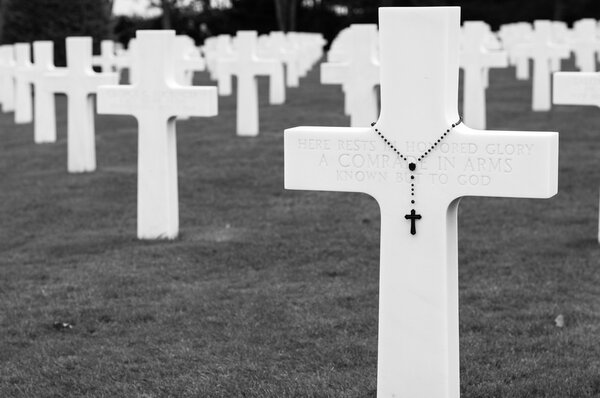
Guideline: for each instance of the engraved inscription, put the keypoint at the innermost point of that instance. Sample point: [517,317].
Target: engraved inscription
[461,163]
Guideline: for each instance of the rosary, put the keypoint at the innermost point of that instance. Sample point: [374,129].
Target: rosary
[412,166]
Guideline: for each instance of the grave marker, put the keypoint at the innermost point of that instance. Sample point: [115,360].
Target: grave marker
[107,60]
[577,88]
[585,44]
[544,53]
[44,121]
[155,99]
[79,82]
[23,95]
[418,296]
[358,74]
[7,77]
[247,67]
[475,60]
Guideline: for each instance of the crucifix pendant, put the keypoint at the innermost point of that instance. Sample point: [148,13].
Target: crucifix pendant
[413,217]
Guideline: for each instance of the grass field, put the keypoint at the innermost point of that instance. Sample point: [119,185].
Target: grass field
[273,293]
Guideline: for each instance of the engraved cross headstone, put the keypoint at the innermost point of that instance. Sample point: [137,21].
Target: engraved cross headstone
[155,99]
[544,51]
[7,77]
[358,74]
[418,293]
[107,60]
[23,94]
[577,88]
[79,82]
[44,120]
[475,59]
[247,66]
[585,44]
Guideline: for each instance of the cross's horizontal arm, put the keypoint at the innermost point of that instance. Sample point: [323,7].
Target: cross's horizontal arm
[500,163]
[130,100]
[334,73]
[576,88]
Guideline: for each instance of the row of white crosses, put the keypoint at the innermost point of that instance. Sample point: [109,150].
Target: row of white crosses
[418,344]
[353,63]
[155,99]
[577,88]
[244,57]
[476,59]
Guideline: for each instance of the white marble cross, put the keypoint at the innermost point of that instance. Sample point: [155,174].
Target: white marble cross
[544,53]
[107,60]
[188,60]
[155,99]
[44,120]
[224,54]
[79,82]
[7,77]
[418,345]
[475,60]
[358,74]
[279,48]
[247,66]
[585,44]
[23,94]
[577,88]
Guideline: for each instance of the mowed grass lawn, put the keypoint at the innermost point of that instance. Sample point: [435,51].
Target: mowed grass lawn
[273,293]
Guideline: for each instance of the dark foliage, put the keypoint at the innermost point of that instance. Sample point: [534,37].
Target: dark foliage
[26,21]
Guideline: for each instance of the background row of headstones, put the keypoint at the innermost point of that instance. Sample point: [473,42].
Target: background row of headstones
[352,63]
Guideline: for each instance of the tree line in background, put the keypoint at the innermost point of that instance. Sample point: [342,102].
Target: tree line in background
[28,20]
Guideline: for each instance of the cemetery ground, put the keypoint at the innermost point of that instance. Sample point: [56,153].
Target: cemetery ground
[273,293]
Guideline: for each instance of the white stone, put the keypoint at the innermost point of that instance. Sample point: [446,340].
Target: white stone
[246,66]
[585,44]
[107,60]
[188,60]
[475,60]
[543,50]
[7,81]
[23,94]
[358,75]
[276,46]
[44,120]
[577,88]
[225,54]
[125,60]
[79,82]
[155,100]
[418,344]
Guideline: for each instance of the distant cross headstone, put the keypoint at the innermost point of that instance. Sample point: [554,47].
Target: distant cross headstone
[107,60]
[79,82]
[475,60]
[44,121]
[247,67]
[585,44]
[358,74]
[23,95]
[577,88]
[7,77]
[418,346]
[155,99]
[544,51]
[188,59]
[225,55]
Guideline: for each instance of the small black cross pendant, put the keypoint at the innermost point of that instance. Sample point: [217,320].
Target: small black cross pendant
[413,217]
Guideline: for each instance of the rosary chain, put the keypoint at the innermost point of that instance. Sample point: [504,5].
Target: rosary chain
[427,152]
